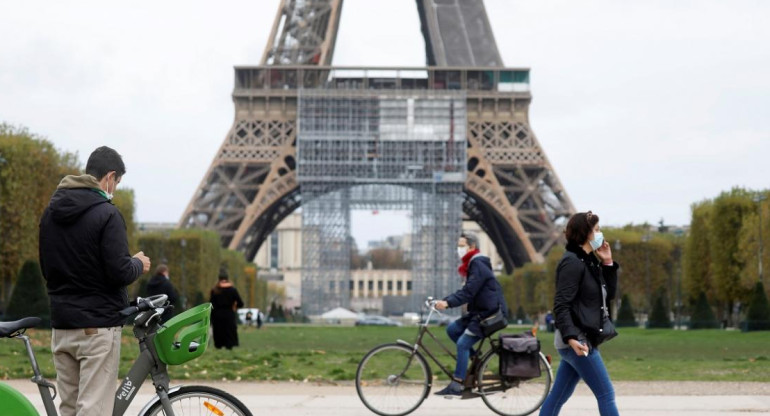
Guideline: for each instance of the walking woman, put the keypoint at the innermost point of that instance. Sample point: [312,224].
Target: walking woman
[225,301]
[586,264]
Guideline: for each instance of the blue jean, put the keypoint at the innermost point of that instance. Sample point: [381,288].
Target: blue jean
[573,368]
[464,341]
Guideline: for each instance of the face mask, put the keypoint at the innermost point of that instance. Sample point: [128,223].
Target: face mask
[597,241]
[110,195]
[462,251]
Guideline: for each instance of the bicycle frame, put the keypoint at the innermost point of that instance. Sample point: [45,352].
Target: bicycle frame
[470,379]
[148,363]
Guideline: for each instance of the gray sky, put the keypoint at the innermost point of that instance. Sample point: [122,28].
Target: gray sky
[643,108]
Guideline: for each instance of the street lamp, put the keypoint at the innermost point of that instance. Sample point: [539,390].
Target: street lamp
[758,198]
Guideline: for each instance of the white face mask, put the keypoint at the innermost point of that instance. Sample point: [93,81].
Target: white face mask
[108,194]
[462,251]
[597,241]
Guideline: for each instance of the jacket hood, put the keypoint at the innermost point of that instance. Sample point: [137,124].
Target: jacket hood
[74,196]
[482,258]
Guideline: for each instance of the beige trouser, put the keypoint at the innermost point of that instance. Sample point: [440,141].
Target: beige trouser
[86,363]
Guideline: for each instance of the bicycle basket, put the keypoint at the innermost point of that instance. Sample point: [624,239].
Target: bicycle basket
[173,341]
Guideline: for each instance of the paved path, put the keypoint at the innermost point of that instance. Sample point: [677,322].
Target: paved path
[634,399]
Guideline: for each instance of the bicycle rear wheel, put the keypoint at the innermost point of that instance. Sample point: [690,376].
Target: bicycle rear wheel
[517,397]
[201,400]
[393,380]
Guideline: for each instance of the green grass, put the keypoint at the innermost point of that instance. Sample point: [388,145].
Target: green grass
[327,353]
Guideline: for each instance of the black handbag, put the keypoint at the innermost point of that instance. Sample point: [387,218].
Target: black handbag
[493,323]
[607,329]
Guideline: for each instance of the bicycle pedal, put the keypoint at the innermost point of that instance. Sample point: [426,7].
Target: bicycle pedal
[469,394]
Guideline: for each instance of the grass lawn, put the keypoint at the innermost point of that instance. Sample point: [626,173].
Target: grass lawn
[316,353]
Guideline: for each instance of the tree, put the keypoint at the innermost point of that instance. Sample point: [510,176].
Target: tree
[659,318]
[696,277]
[29,297]
[273,313]
[702,316]
[725,223]
[758,317]
[520,314]
[749,242]
[625,313]
[389,258]
[33,169]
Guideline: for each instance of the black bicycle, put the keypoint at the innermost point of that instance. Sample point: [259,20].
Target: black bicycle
[394,379]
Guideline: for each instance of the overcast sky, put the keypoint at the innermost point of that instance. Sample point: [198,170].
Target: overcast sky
[642,108]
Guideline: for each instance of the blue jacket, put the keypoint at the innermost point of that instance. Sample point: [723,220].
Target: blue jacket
[481,292]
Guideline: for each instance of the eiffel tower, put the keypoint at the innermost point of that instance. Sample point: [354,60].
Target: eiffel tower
[507,185]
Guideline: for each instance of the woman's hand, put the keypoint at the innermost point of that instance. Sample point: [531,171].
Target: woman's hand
[580,349]
[605,253]
[441,305]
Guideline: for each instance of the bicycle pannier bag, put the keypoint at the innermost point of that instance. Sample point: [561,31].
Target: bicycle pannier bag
[519,356]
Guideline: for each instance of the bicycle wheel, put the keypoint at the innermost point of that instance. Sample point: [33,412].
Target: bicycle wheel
[516,397]
[201,400]
[393,380]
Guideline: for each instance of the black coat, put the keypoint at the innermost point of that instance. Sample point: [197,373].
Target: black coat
[481,292]
[161,285]
[84,257]
[578,300]
[224,302]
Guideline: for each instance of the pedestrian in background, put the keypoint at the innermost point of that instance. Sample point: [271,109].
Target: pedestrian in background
[578,302]
[160,284]
[225,301]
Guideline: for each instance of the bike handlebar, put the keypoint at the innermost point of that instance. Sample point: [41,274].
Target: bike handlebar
[145,304]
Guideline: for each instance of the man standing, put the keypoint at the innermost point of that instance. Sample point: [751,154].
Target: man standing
[483,295]
[160,284]
[84,258]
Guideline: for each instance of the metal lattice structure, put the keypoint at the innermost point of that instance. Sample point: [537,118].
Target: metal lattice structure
[510,188]
[383,149]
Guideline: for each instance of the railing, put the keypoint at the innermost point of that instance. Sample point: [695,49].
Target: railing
[252,78]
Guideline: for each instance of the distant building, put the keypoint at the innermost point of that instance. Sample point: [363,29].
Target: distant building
[280,260]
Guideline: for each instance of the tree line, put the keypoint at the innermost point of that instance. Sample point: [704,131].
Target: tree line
[30,170]
[708,274]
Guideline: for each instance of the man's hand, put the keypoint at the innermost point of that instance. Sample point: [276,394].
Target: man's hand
[441,305]
[145,261]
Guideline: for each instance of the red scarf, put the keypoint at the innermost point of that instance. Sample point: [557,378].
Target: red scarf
[463,269]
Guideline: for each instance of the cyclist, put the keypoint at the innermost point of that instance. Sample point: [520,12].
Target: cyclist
[483,295]
[85,261]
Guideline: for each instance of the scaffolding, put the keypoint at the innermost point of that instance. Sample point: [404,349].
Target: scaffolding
[397,149]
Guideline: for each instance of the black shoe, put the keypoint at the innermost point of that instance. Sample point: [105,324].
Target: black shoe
[453,390]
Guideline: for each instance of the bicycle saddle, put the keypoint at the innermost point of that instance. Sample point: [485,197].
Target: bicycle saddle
[9,328]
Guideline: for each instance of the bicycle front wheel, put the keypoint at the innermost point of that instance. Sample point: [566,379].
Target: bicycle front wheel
[201,400]
[393,380]
[512,397]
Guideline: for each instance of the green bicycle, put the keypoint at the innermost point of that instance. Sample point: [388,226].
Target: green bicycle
[179,340]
